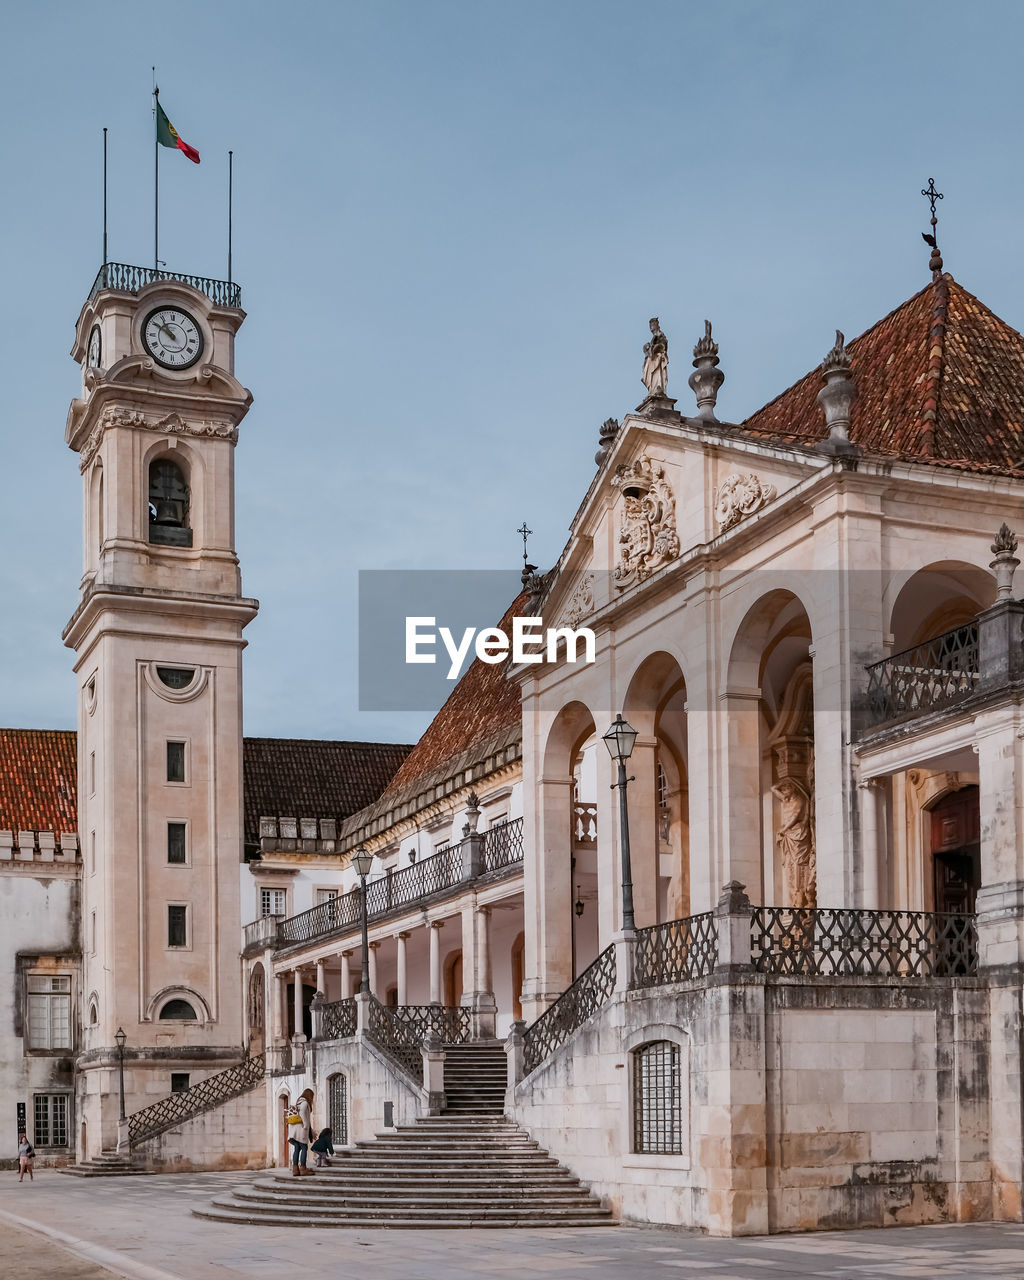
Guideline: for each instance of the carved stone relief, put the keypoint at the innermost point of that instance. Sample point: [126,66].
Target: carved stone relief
[173,424]
[580,604]
[647,529]
[738,496]
[792,747]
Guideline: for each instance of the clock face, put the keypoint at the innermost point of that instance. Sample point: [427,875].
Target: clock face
[95,349]
[172,337]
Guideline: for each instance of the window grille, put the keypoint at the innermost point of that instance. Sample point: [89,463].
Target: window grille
[176,677]
[337,1109]
[176,842]
[657,1099]
[49,1012]
[272,902]
[175,762]
[177,934]
[50,1111]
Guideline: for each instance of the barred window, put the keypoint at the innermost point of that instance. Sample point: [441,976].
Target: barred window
[50,1112]
[337,1109]
[657,1099]
[49,1011]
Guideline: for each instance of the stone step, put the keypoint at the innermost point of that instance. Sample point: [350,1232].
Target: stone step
[452,1183]
[240,1214]
[301,1191]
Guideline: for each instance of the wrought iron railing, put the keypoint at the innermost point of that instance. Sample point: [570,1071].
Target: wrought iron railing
[204,1096]
[935,674]
[844,941]
[676,951]
[570,1011]
[400,1041]
[129,279]
[338,1019]
[451,1024]
[326,917]
[503,845]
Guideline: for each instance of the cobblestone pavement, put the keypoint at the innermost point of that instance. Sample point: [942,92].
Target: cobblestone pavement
[142,1228]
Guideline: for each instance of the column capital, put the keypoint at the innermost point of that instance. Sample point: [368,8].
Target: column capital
[435,924]
[403,935]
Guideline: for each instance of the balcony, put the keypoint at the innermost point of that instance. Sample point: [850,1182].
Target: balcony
[490,854]
[939,673]
[128,279]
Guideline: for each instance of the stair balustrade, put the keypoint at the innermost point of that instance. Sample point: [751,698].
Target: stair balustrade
[556,1024]
[204,1096]
[676,952]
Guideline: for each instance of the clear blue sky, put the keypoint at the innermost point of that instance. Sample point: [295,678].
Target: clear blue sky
[452,222]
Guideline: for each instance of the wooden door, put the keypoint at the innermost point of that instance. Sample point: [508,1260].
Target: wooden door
[956,851]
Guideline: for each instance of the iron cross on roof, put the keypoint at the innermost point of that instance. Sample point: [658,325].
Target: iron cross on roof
[525,533]
[932,196]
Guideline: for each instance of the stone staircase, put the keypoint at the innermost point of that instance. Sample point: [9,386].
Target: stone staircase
[470,1167]
[443,1171]
[108,1164]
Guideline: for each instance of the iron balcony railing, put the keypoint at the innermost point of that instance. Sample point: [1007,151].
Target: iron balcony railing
[675,952]
[581,1001]
[834,942]
[935,674]
[204,1096]
[451,1024]
[393,893]
[338,1019]
[503,845]
[400,1040]
[129,279]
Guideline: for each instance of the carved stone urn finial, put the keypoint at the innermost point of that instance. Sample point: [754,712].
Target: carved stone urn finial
[609,430]
[706,378]
[1005,563]
[835,398]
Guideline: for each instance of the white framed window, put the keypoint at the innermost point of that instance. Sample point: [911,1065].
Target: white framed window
[325,895]
[49,1011]
[273,902]
[50,1114]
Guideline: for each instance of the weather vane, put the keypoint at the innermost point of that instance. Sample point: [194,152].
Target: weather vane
[935,262]
[524,533]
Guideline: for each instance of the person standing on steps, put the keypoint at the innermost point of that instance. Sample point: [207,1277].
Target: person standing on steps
[26,1154]
[300,1135]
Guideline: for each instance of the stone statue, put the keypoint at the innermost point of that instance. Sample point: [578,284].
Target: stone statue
[655,374]
[795,839]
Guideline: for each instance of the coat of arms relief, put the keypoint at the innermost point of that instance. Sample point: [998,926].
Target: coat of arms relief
[647,529]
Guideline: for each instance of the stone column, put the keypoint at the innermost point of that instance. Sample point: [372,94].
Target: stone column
[373,968]
[435,961]
[278,1005]
[297,1005]
[346,975]
[740,851]
[321,979]
[868,790]
[485,1007]
[547,893]
[403,985]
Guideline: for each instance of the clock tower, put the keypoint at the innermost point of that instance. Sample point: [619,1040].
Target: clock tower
[157,637]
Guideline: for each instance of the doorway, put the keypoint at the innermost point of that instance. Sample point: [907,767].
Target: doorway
[955,840]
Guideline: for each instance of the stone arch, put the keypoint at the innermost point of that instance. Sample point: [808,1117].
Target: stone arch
[768,838]
[190,464]
[654,705]
[936,598]
[191,997]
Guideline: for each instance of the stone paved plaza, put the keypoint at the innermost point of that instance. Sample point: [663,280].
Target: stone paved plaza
[142,1228]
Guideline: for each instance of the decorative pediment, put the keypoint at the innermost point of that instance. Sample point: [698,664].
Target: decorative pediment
[647,528]
[739,496]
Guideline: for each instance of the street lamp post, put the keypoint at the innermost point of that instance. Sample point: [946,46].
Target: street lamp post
[120,1038]
[619,740]
[362,860]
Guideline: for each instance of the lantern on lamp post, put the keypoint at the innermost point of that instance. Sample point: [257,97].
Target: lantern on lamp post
[362,860]
[619,740]
[119,1039]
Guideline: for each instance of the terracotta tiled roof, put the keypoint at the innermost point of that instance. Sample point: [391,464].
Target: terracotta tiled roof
[284,777]
[307,777]
[940,379]
[38,780]
[483,704]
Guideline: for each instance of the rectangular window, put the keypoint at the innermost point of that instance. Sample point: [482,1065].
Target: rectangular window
[176,920]
[92,933]
[325,895]
[92,773]
[657,1099]
[179,1081]
[272,902]
[49,1012]
[176,842]
[175,762]
[50,1113]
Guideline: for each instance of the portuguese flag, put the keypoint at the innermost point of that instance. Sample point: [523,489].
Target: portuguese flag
[167,135]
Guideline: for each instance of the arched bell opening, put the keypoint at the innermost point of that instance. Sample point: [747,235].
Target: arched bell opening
[169,504]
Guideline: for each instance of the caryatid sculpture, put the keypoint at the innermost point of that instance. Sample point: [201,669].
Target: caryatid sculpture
[655,374]
[795,838]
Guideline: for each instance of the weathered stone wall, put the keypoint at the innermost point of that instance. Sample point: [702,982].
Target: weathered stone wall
[811,1103]
[232,1136]
[372,1080]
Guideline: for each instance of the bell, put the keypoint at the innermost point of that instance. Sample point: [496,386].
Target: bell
[168,512]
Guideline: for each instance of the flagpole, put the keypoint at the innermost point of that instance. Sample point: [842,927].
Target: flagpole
[230,175]
[156,175]
[104,198]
